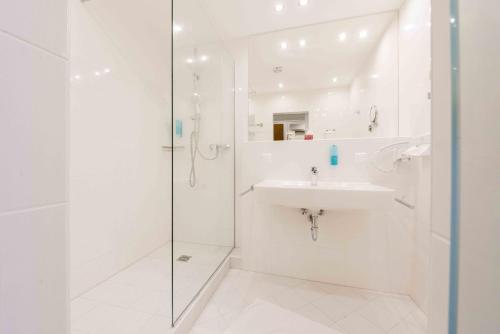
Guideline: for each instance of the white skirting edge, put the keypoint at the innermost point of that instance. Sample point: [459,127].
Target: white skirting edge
[189,317]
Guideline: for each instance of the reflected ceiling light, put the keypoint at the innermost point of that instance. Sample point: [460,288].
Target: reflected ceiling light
[279,7]
[107,70]
[375,76]
[189,60]
[342,36]
[335,80]
[97,73]
[284,45]
[204,58]
[176,28]
[453,20]
[280,85]
[77,77]
[302,43]
[303,3]
[363,34]
[409,27]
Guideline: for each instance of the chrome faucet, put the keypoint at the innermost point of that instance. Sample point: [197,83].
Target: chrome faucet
[314,176]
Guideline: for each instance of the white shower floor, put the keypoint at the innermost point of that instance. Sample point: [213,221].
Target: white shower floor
[137,300]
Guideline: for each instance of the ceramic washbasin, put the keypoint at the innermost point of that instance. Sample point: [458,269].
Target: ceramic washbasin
[325,195]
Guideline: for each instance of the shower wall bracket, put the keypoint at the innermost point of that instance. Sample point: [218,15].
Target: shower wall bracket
[313,219]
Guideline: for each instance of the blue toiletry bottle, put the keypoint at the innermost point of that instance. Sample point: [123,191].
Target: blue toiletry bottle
[334,155]
[178,128]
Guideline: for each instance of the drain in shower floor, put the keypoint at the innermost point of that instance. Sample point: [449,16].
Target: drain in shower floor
[184,258]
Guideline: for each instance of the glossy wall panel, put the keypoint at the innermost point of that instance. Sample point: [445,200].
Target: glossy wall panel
[32,126]
[476,100]
[41,23]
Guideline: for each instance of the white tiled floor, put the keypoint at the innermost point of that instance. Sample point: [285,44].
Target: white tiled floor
[347,310]
[137,300]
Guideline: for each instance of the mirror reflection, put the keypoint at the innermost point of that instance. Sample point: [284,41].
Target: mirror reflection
[331,80]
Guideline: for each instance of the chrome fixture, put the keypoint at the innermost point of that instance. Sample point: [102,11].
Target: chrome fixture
[314,176]
[313,218]
[373,118]
[194,144]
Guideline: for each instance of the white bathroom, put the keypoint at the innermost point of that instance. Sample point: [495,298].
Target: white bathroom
[249,167]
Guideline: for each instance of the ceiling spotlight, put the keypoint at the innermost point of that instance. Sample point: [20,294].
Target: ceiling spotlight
[204,58]
[335,80]
[363,34]
[279,7]
[284,45]
[280,85]
[342,36]
[189,60]
[302,43]
[303,3]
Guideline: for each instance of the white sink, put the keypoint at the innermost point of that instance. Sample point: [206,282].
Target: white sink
[325,195]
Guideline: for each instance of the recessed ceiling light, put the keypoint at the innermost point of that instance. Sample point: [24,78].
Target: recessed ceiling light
[303,3]
[335,80]
[284,45]
[204,58]
[107,70]
[280,85]
[279,7]
[176,28]
[302,43]
[78,77]
[342,36]
[375,76]
[363,34]
[97,73]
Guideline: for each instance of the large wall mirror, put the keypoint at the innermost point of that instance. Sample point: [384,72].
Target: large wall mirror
[338,79]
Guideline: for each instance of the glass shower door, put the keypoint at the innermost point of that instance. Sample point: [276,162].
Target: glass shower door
[203,153]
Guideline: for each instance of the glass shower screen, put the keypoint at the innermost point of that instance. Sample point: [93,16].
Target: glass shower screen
[202,153]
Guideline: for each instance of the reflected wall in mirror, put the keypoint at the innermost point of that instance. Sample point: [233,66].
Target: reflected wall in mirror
[333,80]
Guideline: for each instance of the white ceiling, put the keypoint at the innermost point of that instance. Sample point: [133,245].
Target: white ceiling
[239,18]
[323,58]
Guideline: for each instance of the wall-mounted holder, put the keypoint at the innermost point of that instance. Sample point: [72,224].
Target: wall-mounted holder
[373,114]
[313,219]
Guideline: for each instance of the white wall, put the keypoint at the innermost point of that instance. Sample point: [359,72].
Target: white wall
[119,177]
[33,147]
[479,166]
[414,68]
[414,120]
[377,84]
